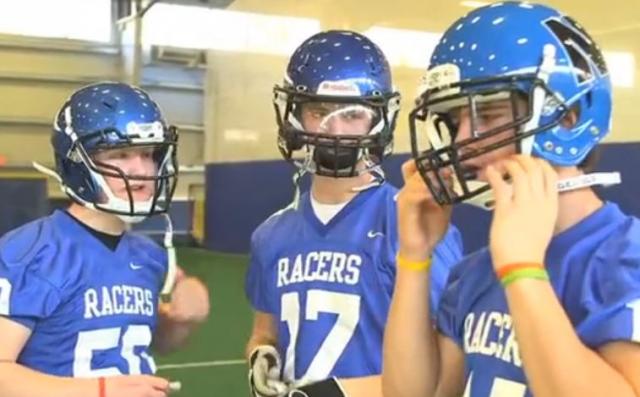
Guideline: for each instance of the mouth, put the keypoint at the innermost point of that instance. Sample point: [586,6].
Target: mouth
[140,191]
[470,172]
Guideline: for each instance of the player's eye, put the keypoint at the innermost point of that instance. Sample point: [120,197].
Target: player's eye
[115,155]
[147,153]
[319,113]
[489,119]
[489,116]
[356,114]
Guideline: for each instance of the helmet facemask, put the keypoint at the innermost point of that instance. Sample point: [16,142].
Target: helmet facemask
[499,52]
[500,113]
[163,179]
[335,136]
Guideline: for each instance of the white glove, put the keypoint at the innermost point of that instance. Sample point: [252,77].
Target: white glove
[264,372]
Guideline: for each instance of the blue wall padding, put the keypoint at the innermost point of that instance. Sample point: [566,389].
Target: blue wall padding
[181,213]
[241,195]
[21,201]
[181,216]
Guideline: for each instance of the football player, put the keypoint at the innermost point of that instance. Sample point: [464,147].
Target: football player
[322,270]
[517,96]
[79,293]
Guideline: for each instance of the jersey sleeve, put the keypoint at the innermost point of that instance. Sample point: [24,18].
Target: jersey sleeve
[446,255]
[256,277]
[611,298]
[26,295]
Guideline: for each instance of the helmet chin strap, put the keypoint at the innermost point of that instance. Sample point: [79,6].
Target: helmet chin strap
[486,200]
[172,262]
[297,176]
[377,179]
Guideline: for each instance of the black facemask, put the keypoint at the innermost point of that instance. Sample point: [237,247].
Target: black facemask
[335,158]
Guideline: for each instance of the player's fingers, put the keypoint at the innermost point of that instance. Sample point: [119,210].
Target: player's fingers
[259,375]
[415,192]
[273,373]
[157,393]
[277,386]
[534,173]
[413,184]
[550,179]
[502,191]
[263,383]
[408,169]
[519,179]
[438,182]
[157,383]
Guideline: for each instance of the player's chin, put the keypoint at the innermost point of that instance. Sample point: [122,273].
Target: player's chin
[142,196]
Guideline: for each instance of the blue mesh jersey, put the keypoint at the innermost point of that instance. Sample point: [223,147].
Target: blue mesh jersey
[595,271]
[329,286]
[92,311]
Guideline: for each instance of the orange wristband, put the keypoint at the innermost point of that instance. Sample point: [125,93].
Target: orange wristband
[507,269]
[102,387]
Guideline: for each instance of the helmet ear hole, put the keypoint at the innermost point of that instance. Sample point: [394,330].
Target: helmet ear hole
[571,118]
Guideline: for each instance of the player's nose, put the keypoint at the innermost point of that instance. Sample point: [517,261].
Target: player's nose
[140,165]
[337,125]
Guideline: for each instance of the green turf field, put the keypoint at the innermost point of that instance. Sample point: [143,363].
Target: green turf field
[212,364]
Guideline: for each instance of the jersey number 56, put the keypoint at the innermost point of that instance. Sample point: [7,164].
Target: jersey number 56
[109,338]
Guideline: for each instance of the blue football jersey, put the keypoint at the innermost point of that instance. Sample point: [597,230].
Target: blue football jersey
[594,268]
[92,311]
[329,286]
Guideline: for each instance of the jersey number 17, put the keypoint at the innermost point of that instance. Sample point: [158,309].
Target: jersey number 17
[346,306]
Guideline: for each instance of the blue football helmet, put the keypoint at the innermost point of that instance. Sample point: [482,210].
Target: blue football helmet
[336,109]
[509,51]
[104,116]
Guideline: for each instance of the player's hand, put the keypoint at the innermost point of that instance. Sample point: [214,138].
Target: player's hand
[136,386]
[189,301]
[264,372]
[526,209]
[422,222]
